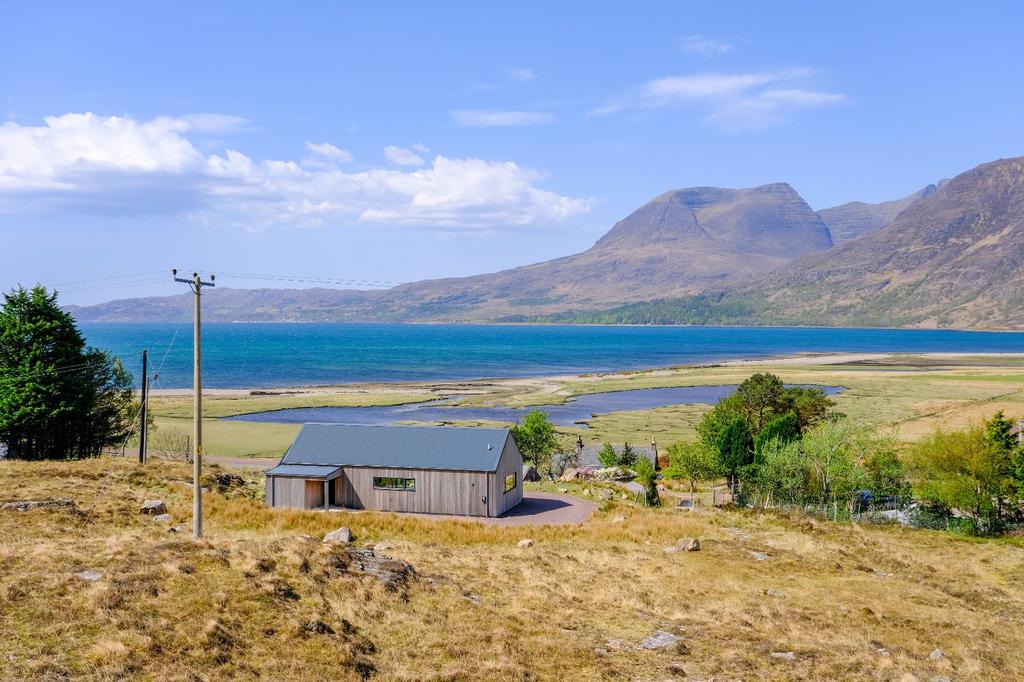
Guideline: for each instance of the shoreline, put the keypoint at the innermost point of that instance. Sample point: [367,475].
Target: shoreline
[449,386]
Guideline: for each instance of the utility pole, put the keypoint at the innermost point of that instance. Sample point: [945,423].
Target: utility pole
[197,284]
[144,408]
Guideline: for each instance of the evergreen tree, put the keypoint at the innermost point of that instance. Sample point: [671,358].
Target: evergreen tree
[784,429]
[735,446]
[58,399]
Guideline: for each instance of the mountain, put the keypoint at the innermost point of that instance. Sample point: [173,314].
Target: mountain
[677,244]
[856,219]
[952,259]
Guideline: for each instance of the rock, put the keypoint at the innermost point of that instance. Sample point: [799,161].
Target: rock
[394,574]
[760,556]
[586,491]
[784,655]
[163,518]
[775,593]
[618,519]
[669,550]
[473,597]
[689,544]
[570,475]
[382,547]
[660,640]
[936,655]
[89,576]
[623,496]
[525,543]
[342,535]
[154,507]
[685,504]
[176,529]
[940,678]
[605,494]
[25,505]
[563,490]
[677,668]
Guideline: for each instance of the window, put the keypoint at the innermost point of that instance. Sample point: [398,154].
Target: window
[510,482]
[392,483]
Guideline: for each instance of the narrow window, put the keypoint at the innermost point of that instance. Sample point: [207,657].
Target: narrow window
[510,482]
[393,483]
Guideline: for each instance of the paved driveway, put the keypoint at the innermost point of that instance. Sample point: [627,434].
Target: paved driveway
[538,508]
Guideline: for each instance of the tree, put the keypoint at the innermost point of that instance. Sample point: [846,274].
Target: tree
[627,457]
[58,399]
[810,405]
[762,397]
[887,474]
[693,461]
[783,473]
[535,438]
[718,418]
[646,476]
[783,429]
[735,446]
[607,456]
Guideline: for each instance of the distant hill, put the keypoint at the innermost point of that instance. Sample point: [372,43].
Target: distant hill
[949,255]
[951,259]
[679,243]
[856,219]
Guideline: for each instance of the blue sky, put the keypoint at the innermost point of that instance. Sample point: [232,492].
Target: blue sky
[400,141]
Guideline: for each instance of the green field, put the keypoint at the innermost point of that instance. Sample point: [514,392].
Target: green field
[910,395]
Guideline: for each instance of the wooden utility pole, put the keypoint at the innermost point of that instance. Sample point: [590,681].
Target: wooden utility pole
[143,408]
[197,284]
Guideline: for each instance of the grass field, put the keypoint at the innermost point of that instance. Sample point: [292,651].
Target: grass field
[908,394]
[261,597]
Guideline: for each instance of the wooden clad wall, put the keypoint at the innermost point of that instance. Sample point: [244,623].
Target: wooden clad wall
[286,492]
[511,462]
[437,492]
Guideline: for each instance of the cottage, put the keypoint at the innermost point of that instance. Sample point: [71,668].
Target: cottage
[425,469]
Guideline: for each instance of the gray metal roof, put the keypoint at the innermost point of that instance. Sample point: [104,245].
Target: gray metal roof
[409,447]
[305,471]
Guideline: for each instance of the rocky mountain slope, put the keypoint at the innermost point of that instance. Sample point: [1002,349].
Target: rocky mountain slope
[678,244]
[952,259]
[856,219]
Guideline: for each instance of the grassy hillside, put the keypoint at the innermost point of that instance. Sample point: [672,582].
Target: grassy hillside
[262,597]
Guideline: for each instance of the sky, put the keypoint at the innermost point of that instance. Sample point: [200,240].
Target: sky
[364,144]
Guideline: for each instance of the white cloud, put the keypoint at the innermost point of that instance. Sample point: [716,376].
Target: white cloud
[476,118]
[403,156]
[518,73]
[329,151]
[421,148]
[121,166]
[731,101]
[706,47]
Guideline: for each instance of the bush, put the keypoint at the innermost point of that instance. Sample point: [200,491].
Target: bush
[614,473]
[608,457]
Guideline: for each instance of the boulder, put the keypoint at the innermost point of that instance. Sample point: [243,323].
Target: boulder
[525,543]
[689,544]
[660,640]
[618,519]
[685,504]
[89,576]
[775,593]
[570,475]
[586,491]
[784,655]
[342,535]
[563,490]
[936,655]
[605,494]
[153,507]
[760,556]
[163,518]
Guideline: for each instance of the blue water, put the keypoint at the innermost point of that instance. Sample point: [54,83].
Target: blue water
[284,354]
[576,411]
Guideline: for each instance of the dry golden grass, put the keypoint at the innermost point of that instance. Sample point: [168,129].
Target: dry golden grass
[245,602]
